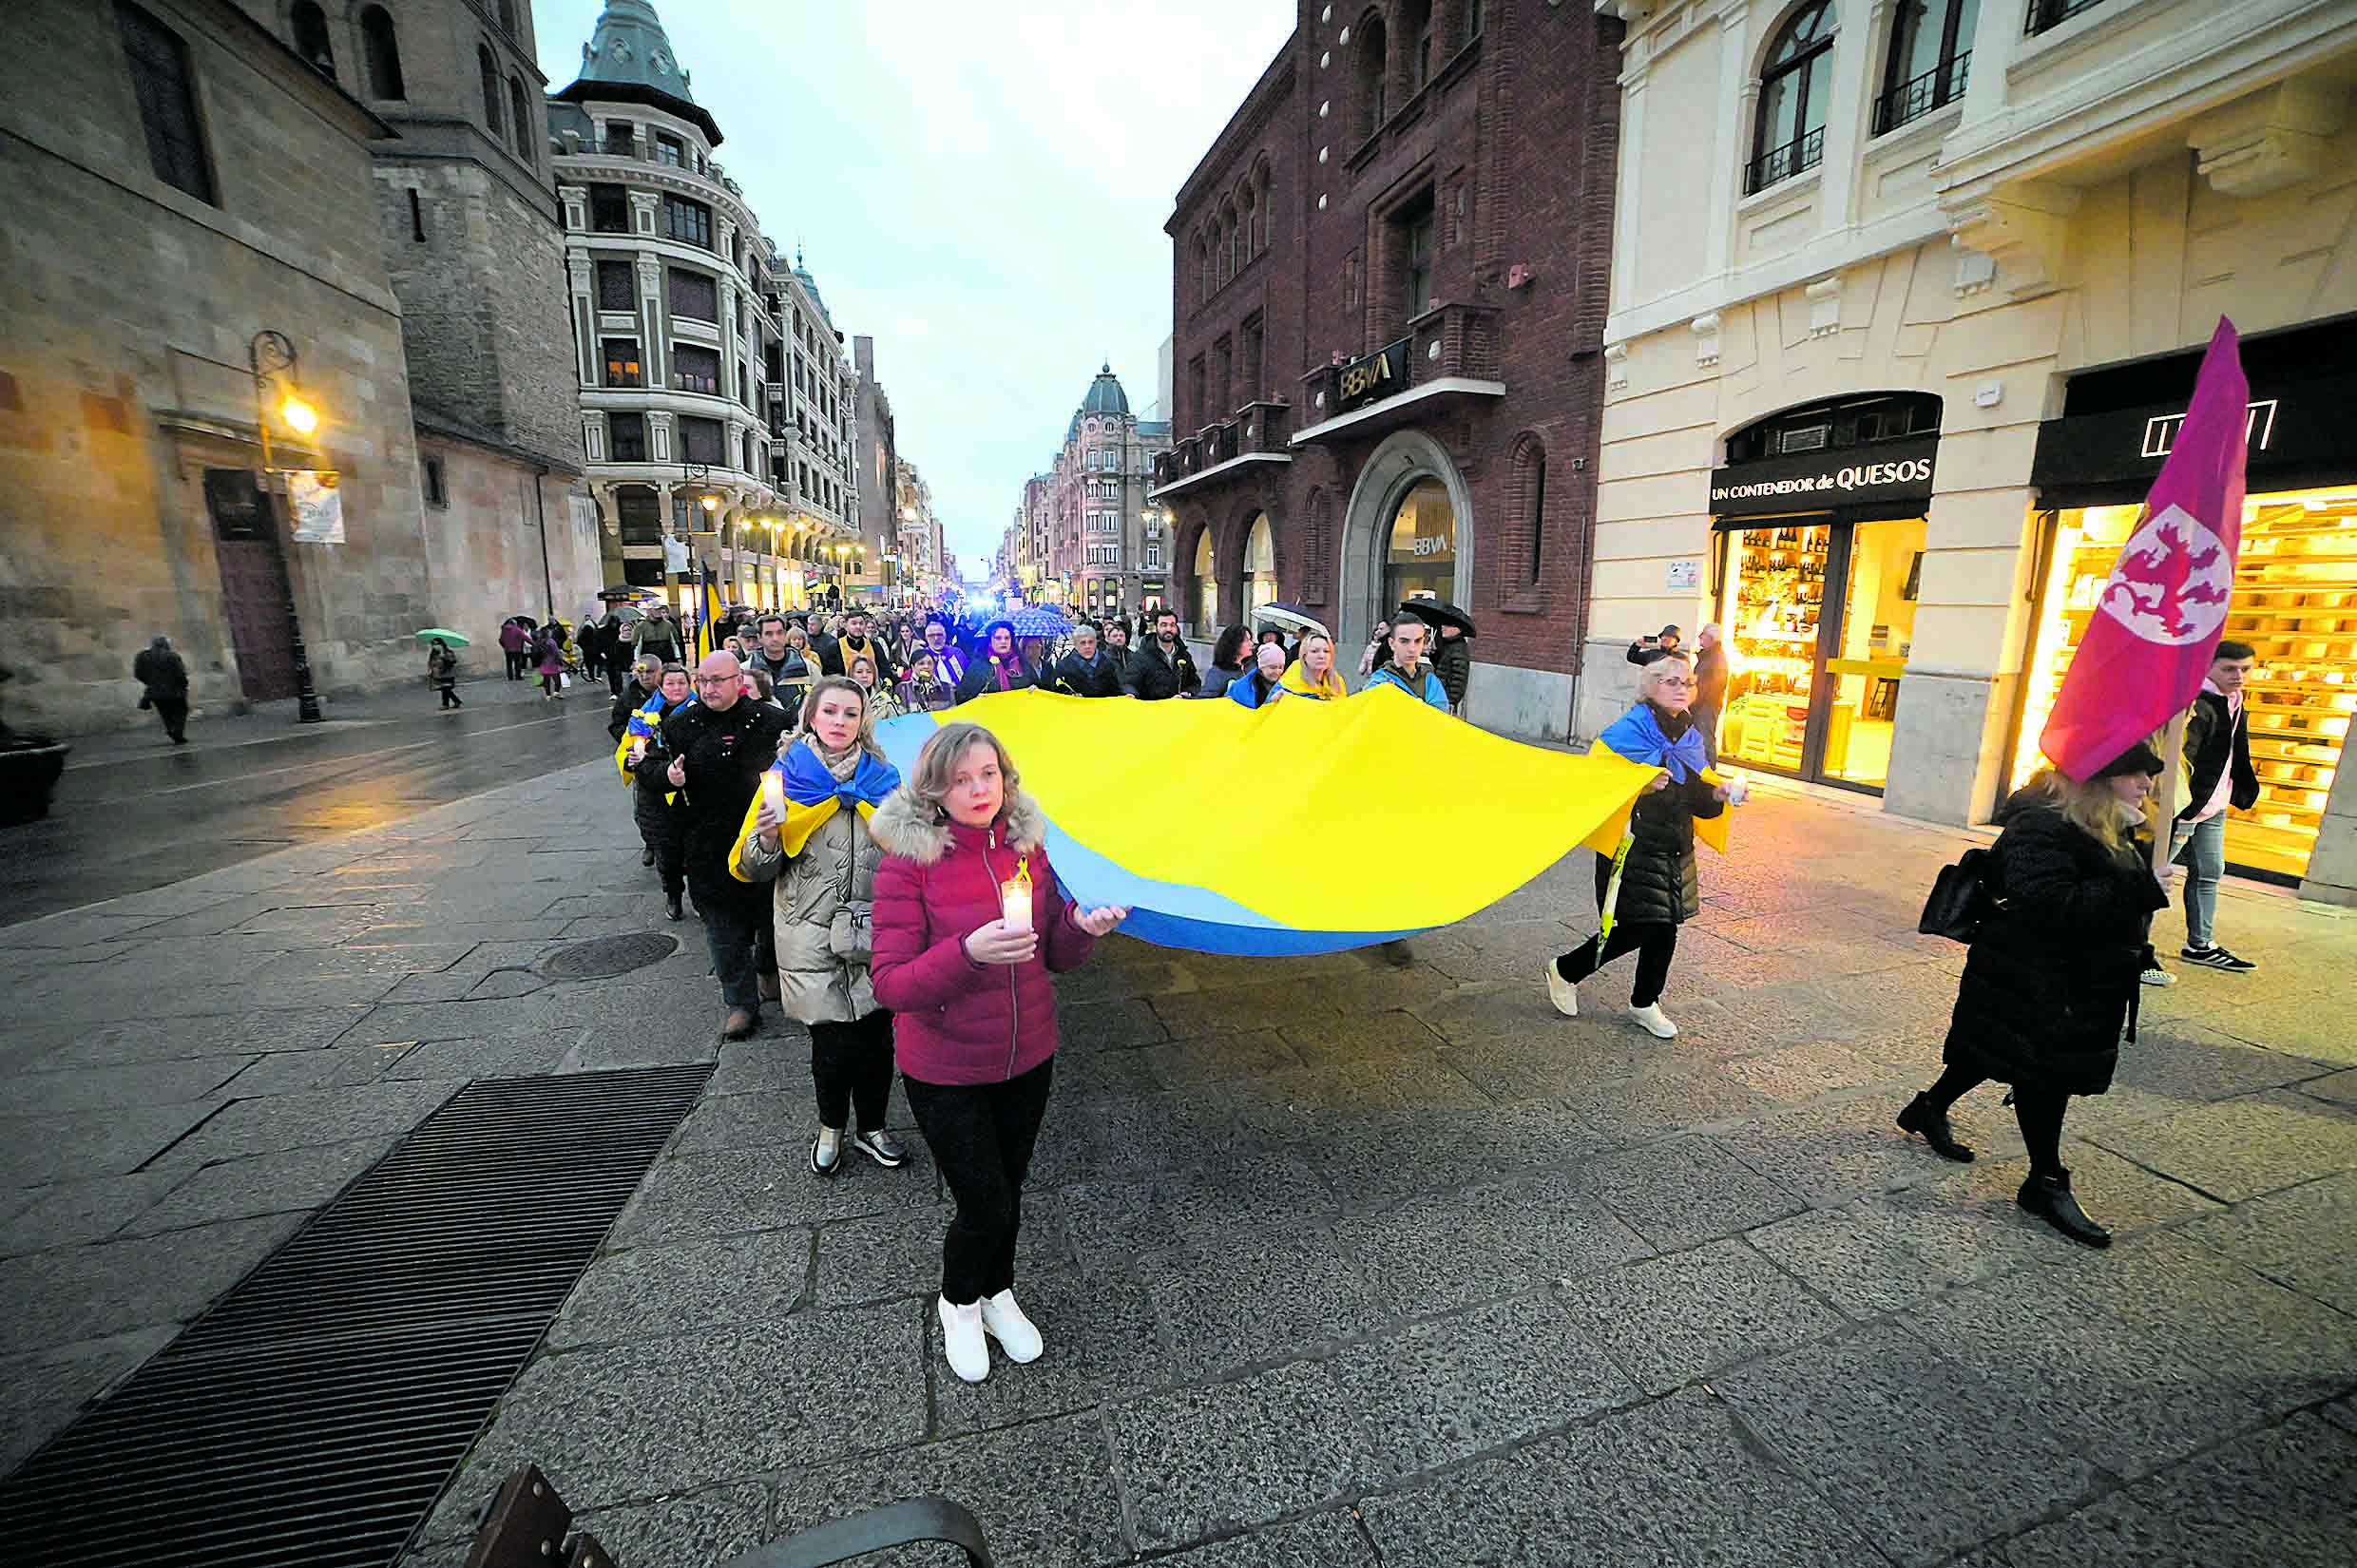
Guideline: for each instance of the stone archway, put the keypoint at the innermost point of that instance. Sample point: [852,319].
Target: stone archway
[1404,460]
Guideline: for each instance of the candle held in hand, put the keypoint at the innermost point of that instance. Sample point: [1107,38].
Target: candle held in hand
[774,790]
[1015,902]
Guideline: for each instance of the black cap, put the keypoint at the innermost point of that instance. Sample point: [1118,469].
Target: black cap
[1671,631]
[2138,758]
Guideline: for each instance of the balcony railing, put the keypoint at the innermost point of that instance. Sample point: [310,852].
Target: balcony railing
[1778,164]
[1453,341]
[1256,428]
[2047,14]
[1935,88]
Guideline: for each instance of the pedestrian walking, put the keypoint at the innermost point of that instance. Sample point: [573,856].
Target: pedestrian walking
[2218,777]
[1229,657]
[719,745]
[999,667]
[516,644]
[1652,886]
[644,760]
[810,837]
[1453,660]
[645,679]
[1710,686]
[1161,668]
[1088,670]
[969,924]
[658,633]
[2050,982]
[442,669]
[1407,669]
[551,664]
[164,686]
[1264,683]
[592,642]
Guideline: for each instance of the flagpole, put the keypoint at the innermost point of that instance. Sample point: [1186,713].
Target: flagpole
[2171,766]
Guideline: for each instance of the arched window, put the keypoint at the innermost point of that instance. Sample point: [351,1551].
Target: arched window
[1367,68]
[383,53]
[1794,84]
[1415,46]
[1259,565]
[1930,57]
[1202,268]
[507,18]
[311,40]
[1268,210]
[1526,498]
[518,110]
[1252,221]
[488,69]
[1227,243]
[1206,587]
[1420,550]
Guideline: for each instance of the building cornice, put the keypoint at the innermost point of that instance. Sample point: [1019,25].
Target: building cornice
[1247,122]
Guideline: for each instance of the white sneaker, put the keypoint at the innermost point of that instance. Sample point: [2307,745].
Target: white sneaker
[1017,1334]
[1562,992]
[1654,1021]
[2157,976]
[962,1341]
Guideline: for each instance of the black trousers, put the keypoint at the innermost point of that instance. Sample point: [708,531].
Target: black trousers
[851,1068]
[515,664]
[2039,1111]
[174,712]
[1653,944]
[982,1136]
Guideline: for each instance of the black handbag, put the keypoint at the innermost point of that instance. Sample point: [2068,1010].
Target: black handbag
[1962,899]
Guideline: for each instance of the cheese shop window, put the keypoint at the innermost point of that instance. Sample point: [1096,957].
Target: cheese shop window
[1775,597]
[2295,603]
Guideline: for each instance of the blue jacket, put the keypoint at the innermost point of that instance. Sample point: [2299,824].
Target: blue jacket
[1431,692]
[1246,690]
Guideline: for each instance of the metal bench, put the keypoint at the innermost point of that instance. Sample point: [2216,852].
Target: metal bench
[527,1526]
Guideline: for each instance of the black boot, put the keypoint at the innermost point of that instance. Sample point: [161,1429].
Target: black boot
[1919,1118]
[672,909]
[2051,1200]
[646,857]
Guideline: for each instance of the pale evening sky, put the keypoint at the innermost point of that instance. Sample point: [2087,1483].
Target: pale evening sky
[981,188]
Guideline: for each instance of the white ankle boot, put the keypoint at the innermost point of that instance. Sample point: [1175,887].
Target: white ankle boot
[1562,992]
[961,1339]
[1654,1021]
[1017,1335]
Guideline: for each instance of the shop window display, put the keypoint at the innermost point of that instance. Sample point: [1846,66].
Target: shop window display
[1421,558]
[2295,603]
[1877,633]
[1776,596]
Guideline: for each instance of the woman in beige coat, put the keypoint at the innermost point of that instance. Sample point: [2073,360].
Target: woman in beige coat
[811,837]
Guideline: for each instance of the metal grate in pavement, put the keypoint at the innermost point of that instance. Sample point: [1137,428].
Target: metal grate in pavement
[311,1417]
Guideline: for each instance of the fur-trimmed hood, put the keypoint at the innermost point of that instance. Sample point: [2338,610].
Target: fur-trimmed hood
[905,825]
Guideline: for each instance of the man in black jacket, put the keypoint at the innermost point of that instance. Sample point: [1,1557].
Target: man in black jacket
[789,672]
[722,743]
[1646,649]
[1088,670]
[2217,776]
[1162,668]
[160,670]
[836,658]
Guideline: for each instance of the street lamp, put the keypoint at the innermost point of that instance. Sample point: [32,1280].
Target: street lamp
[271,356]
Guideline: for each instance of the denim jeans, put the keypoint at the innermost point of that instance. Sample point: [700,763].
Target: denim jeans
[2204,865]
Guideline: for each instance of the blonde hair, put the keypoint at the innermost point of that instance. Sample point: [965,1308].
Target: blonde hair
[2089,806]
[825,683]
[858,659]
[936,765]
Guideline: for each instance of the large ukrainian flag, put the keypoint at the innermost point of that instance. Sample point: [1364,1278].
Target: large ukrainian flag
[1301,828]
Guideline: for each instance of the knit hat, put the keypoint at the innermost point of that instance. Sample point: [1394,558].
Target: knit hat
[2138,758]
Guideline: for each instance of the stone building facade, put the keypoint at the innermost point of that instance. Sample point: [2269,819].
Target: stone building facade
[469,218]
[1106,552]
[1389,284]
[882,480]
[177,181]
[1907,300]
[716,402]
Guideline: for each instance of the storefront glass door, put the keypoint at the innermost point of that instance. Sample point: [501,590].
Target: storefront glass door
[1819,619]
[1420,556]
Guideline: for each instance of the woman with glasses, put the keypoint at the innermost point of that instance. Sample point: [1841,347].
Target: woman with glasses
[1660,888]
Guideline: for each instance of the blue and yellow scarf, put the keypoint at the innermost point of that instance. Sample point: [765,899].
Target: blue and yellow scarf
[1637,736]
[814,794]
[645,724]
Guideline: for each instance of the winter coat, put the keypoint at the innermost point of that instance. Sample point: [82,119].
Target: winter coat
[1641,655]
[1660,885]
[1711,678]
[726,753]
[513,638]
[442,667]
[1255,690]
[2052,979]
[1424,684]
[982,678]
[1083,677]
[1154,676]
[955,1021]
[1453,660]
[2218,738]
[835,659]
[658,635]
[161,673]
[1216,679]
[822,908]
[551,654]
[658,816]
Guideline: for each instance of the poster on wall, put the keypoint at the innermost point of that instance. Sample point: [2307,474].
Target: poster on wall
[1684,574]
[317,506]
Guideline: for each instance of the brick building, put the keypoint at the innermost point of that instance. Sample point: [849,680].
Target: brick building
[1389,286]
[717,401]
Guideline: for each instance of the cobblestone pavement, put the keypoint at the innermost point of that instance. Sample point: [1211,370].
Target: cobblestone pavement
[1338,1263]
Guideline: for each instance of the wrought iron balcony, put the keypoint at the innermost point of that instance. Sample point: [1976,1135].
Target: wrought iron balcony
[1943,84]
[1778,164]
[2048,14]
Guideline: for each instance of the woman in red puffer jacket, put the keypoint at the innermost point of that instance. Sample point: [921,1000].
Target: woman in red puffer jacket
[974,1011]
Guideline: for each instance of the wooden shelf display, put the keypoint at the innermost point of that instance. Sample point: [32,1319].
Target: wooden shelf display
[2295,603]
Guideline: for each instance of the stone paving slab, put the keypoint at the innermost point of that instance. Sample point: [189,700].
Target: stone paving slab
[1340,1264]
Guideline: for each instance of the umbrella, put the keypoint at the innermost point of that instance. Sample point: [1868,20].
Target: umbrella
[620,592]
[1040,621]
[627,613]
[454,639]
[1437,613]
[1291,617]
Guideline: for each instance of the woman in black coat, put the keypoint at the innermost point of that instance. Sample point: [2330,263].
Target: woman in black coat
[661,829]
[998,665]
[1660,886]
[2051,982]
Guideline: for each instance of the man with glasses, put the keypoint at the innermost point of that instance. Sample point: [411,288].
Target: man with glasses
[720,744]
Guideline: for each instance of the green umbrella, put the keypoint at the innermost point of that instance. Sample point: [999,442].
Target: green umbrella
[456,640]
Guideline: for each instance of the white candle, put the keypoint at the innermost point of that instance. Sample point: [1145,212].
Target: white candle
[774,790]
[1015,902]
